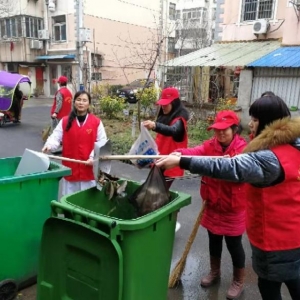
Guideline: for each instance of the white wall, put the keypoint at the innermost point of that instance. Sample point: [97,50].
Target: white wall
[189,4]
[136,12]
[32,8]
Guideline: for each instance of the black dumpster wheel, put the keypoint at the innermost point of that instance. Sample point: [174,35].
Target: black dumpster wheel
[8,289]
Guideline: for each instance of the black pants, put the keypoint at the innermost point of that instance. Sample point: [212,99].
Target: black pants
[16,108]
[234,246]
[270,290]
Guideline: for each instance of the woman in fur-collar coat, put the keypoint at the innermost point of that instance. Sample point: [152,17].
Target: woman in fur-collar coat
[270,165]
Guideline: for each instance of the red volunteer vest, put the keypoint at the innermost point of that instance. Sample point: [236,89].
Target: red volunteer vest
[78,143]
[167,145]
[233,194]
[273,213]
[66,104]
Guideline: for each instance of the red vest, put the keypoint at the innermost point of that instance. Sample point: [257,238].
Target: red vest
[66,103]
[78,143]
[232,195]
[166,145]
[273,213]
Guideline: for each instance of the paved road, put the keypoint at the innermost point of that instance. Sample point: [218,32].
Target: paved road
[14,138]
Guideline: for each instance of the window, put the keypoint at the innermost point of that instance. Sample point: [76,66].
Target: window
[178,15]
[171,44]
[59,29]
[11,27]
[32,25]
[96,60]
[12,67]
[194,14]
[66,70]
[257,9]
[194,33]
[96,76]
[172,11]
[213,14]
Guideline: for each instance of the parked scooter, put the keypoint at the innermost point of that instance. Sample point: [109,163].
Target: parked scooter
[13,87]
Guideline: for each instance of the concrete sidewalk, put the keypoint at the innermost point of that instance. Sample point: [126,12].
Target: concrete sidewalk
[39,101]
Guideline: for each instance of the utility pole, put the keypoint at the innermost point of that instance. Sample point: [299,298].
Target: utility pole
[159,68]
[79,43]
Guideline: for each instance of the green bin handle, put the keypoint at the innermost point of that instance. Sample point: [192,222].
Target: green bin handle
[92,219]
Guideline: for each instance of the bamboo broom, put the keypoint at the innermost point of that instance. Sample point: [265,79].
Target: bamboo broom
[177,271]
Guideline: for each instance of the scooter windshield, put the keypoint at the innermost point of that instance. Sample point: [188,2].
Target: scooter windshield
[8,83]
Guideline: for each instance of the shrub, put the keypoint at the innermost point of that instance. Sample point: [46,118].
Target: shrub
[100,90]
[225,104]
[147,97]
[111,106]
[197,133]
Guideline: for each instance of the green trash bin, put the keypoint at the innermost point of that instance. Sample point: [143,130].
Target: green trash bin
[25,206]
[93,248]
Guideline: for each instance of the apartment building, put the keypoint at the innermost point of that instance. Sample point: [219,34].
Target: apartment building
[193,27]
[20,23]
[256,48]
[114,42]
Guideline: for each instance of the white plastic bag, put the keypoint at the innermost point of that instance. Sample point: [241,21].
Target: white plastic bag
[144,145]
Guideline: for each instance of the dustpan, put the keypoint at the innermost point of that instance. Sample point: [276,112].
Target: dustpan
[32,162]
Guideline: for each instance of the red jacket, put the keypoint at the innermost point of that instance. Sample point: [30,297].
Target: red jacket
[273,215]
[66,103]
[226,201]
[167,145]
[78,143]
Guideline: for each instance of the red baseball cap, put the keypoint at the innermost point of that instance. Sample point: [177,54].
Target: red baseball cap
[225,119]
[62,79]
[167,96]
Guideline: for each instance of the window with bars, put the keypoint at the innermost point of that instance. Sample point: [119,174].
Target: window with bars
[171,44]
[172,11]
[257,9]
[32,25]
[96,60]
[97,76]
[66,70]
[20,26]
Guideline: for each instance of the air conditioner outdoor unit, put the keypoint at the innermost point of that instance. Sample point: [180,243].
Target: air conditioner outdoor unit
[43,34]
[36,44]
[260,26]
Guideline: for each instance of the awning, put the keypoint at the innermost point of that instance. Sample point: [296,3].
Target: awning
[64,56]
[284,57]
[226,54]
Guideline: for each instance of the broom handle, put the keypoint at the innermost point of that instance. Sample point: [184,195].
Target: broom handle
[120,157]
[193,233]
[67,159]
[177,271]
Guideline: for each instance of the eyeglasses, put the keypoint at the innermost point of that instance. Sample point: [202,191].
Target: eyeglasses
[82,100]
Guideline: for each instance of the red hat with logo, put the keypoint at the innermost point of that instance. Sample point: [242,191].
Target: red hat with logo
[225,119]
[62,79]
[167,96]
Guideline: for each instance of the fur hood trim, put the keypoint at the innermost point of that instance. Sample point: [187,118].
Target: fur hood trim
[280,132]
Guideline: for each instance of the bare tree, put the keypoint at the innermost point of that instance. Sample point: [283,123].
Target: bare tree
[191,35]
[8,8]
